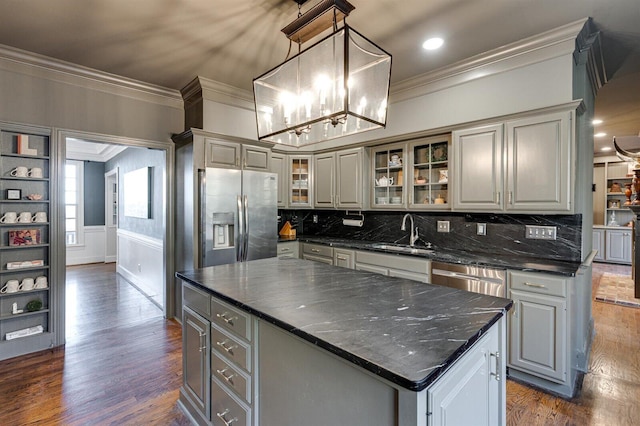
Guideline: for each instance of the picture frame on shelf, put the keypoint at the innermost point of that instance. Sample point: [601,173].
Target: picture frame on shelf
[24,237]
[14,194]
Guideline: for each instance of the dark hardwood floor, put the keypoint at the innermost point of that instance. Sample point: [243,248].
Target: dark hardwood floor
[122,365]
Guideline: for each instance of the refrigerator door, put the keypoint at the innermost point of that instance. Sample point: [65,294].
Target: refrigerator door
[221,218]
[260,214]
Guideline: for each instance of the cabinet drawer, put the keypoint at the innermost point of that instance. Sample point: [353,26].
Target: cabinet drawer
[230,318]
[196,299]
[225,409]
[538,283]
[317,250]
[231,347]
[232,377]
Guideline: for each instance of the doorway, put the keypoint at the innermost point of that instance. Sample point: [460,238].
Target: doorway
[117,231]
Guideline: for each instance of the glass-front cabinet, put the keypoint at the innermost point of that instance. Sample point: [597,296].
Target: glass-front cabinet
[428,180]
[300,184]
[388,182]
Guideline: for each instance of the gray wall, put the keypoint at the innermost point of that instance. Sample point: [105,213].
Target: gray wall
[133,159]
[93,193]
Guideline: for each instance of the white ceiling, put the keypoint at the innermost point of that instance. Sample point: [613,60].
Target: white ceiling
[169,42]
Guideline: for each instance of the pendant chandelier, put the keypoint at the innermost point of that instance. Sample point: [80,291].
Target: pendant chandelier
[337,87]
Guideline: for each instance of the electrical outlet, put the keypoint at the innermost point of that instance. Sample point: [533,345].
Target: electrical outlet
[315,218]
[443,226]
[481,228]
[540,232]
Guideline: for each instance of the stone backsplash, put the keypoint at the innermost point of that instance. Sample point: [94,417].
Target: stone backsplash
[505,233]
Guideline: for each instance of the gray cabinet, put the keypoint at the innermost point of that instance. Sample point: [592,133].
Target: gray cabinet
[338,179]
[195,363]
[530,171]
[618,245]
[232,155]
[289,249]
[428,180]
[474,387]
[300,181]
[412,268]
[388,176]
[27,171]
[324,169]
[538,326]
[317,253]
[279,167]
[598,244]
[344,258]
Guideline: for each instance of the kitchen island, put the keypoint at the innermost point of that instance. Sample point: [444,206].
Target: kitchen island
[289,342]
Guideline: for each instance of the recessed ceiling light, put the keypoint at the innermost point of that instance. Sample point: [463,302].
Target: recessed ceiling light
[596,122]
[433,43]
[600,135]
[606,148]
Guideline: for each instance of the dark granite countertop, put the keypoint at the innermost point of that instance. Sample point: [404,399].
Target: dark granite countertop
[506,261]
[404,331]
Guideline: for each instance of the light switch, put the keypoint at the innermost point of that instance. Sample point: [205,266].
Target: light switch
[481,229]
[443,226]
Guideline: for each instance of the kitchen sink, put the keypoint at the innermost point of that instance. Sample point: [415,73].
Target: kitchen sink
[402,249]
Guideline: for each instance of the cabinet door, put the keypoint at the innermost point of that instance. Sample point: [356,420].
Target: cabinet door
[279,167]
[538,163]
[327,260]
[300,192]
[255,158]
[344,258]
[350,179]
[618,246]
[222,154]
[473,391]
[538,330]
[387,180]
[477,164]
[324,170]
[288,249]
[598,243]
[372,268]
[196,350]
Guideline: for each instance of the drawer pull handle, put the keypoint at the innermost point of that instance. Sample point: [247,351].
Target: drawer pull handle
[497,373]
[227,349]
[285,249]
[342,258]
[225,421]
[315,250]
[203,343]
[535,285]
[229,378]
[226,319]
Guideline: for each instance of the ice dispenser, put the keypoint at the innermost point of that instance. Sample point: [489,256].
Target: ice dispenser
[223,230]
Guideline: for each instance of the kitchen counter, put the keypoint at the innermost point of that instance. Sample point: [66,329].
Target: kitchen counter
[406,332]
[506,261]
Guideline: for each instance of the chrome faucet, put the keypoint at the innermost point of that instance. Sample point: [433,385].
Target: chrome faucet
[414,234]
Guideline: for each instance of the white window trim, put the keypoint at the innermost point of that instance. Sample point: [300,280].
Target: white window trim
[80,200]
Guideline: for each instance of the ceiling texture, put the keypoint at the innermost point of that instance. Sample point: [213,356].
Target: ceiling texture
[169,42]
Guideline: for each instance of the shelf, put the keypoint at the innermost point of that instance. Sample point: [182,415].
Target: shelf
[626,209]
[24,314]
[11,154]
[24,201]
[26,246]
[615,193]
[22,225]
[20,293]
[6,271]
[25,179]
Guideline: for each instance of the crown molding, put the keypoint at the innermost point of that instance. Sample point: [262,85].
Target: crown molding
[204,88]
[548,45]
[34,64]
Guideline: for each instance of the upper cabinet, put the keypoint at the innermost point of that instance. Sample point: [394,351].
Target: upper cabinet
[231,155]
[300,181]
[339,179]
[279,167]
[428,180]
[387,180]
[527,170]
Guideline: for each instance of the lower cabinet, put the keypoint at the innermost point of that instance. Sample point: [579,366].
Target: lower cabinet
[412,268]
[618,245]
[317,253]
[538,341]
[344,258]
[288,249]
[195,362]
[598,244]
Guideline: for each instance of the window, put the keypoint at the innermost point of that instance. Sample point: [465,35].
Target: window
[73,200]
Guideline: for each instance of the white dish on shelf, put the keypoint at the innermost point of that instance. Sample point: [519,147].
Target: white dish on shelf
[382,200]
[396,200]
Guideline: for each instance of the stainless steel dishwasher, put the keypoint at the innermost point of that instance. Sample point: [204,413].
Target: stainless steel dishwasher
[477,279]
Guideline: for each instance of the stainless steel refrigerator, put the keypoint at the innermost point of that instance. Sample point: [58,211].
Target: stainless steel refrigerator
[238,216]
